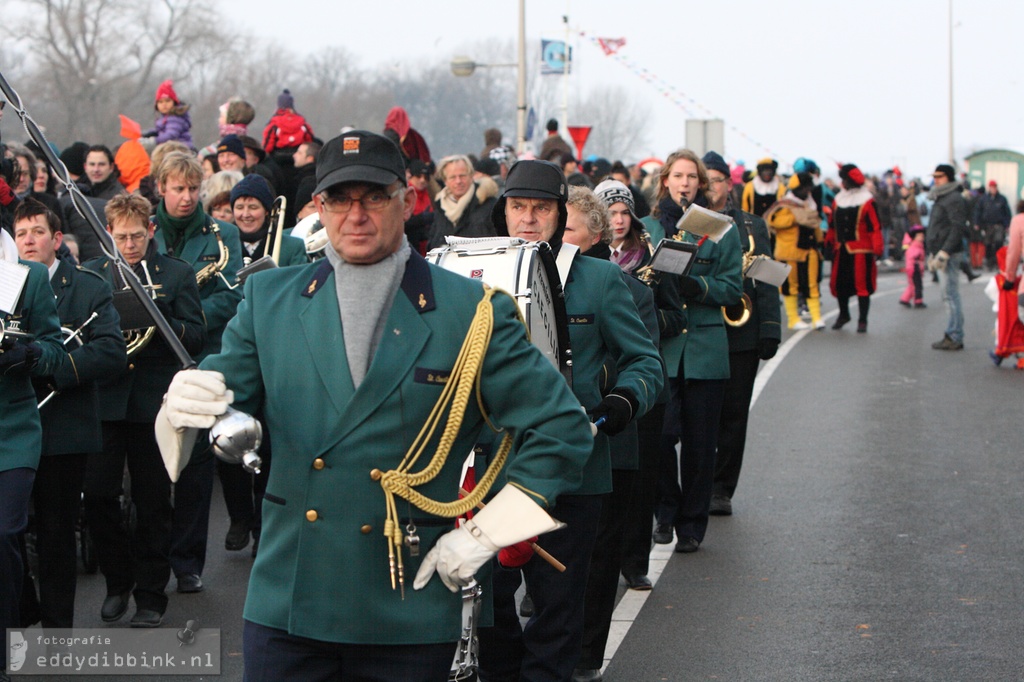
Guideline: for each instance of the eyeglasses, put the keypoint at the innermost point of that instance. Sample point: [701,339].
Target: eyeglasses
[133,238]
[374,200]
[715,181]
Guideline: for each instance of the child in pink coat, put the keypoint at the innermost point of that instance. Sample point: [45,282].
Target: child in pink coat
[914,258]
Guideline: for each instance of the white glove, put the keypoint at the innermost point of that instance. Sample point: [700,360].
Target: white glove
[456,557]
[511,517]
[196,398]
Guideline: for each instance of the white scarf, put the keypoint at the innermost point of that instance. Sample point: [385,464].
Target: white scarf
[454,208]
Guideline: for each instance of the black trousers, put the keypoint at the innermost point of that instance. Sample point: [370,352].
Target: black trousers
[636,537]
[243,492]
[547,649]
[15,492]
[685,499]
[140,558]
[273,655]
[605,563]
[58,500]
[191,520]
[732,425]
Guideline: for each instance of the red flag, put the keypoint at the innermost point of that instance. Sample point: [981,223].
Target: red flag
[611,45]
[579,136]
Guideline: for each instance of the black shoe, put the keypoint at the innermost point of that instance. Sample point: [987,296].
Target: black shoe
[189,583]
[526,606]
[720,506]
[114,607]
[640,583]
[663,534]
[862,327]
[687,545]
[147,618]
[920,304]
[840,321]
[587,675]
[947,344]
[905,304]
[237,538]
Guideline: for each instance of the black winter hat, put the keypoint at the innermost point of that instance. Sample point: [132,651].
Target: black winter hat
[534,179]
[231,143]
[359,156]
[74,157]
[714,161]
[254,186]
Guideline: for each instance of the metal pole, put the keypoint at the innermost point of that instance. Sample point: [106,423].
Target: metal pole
[85,209]
[565,73]
[521,90]
[952,157]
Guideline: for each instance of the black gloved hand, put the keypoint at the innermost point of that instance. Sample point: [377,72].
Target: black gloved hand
[20,358]
[767,348]
[618,408]
[689,287]
[1009,284]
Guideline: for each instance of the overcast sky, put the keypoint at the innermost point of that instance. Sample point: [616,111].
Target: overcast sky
[864,81]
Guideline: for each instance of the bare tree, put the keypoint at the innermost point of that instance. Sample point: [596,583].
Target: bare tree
[619,122]
[98,58]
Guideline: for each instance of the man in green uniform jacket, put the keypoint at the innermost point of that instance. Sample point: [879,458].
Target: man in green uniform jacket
[348,357]
[70,417]
[39,354]
[603,325]
[186,232]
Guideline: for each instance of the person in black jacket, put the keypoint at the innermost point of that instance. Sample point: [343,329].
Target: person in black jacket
[945,248]
[992,218]
[70,419]
[464,206]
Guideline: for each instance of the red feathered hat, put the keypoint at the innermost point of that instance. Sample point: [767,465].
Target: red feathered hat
[166,89]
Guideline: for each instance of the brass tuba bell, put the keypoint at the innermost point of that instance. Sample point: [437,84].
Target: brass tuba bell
[738,314]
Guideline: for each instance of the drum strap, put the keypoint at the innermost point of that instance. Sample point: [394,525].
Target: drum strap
[401,481]
[564,261]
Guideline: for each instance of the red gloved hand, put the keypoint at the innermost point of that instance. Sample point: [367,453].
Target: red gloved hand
[6,195]
[515,556]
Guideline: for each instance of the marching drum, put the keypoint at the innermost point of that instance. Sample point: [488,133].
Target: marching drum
[527,271]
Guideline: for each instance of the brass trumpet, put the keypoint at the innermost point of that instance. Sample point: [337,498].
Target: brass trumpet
[738,314]
[12,333]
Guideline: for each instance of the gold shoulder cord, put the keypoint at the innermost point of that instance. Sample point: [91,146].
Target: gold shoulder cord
[464,379]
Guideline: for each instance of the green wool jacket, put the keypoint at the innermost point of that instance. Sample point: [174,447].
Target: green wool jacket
[703,347]
[36,314]
[604,324]
[322,569]
[219,299]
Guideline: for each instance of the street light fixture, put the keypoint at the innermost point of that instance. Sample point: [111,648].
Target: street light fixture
[465,66]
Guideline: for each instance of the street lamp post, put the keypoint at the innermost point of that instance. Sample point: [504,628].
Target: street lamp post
[465,66]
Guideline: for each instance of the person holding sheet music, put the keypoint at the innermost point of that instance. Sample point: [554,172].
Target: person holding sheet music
[701,353]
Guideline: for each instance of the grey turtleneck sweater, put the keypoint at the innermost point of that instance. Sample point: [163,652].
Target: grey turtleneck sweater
[365,294]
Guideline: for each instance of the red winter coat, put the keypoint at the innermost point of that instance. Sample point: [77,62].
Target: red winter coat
[286,130]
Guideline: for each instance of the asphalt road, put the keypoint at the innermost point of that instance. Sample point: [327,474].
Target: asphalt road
[878,528]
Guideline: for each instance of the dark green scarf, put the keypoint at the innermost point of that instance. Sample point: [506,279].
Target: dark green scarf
[177,231]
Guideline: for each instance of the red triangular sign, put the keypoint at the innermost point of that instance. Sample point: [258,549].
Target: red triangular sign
[579,136]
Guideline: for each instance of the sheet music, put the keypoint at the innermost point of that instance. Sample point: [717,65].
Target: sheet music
[12,282]
[674,257]
[703,222]
[767,270]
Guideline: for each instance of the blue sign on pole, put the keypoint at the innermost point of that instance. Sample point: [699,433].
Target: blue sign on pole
[553,57]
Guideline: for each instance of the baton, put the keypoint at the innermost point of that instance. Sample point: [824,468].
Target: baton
[87,212]
[538,550]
